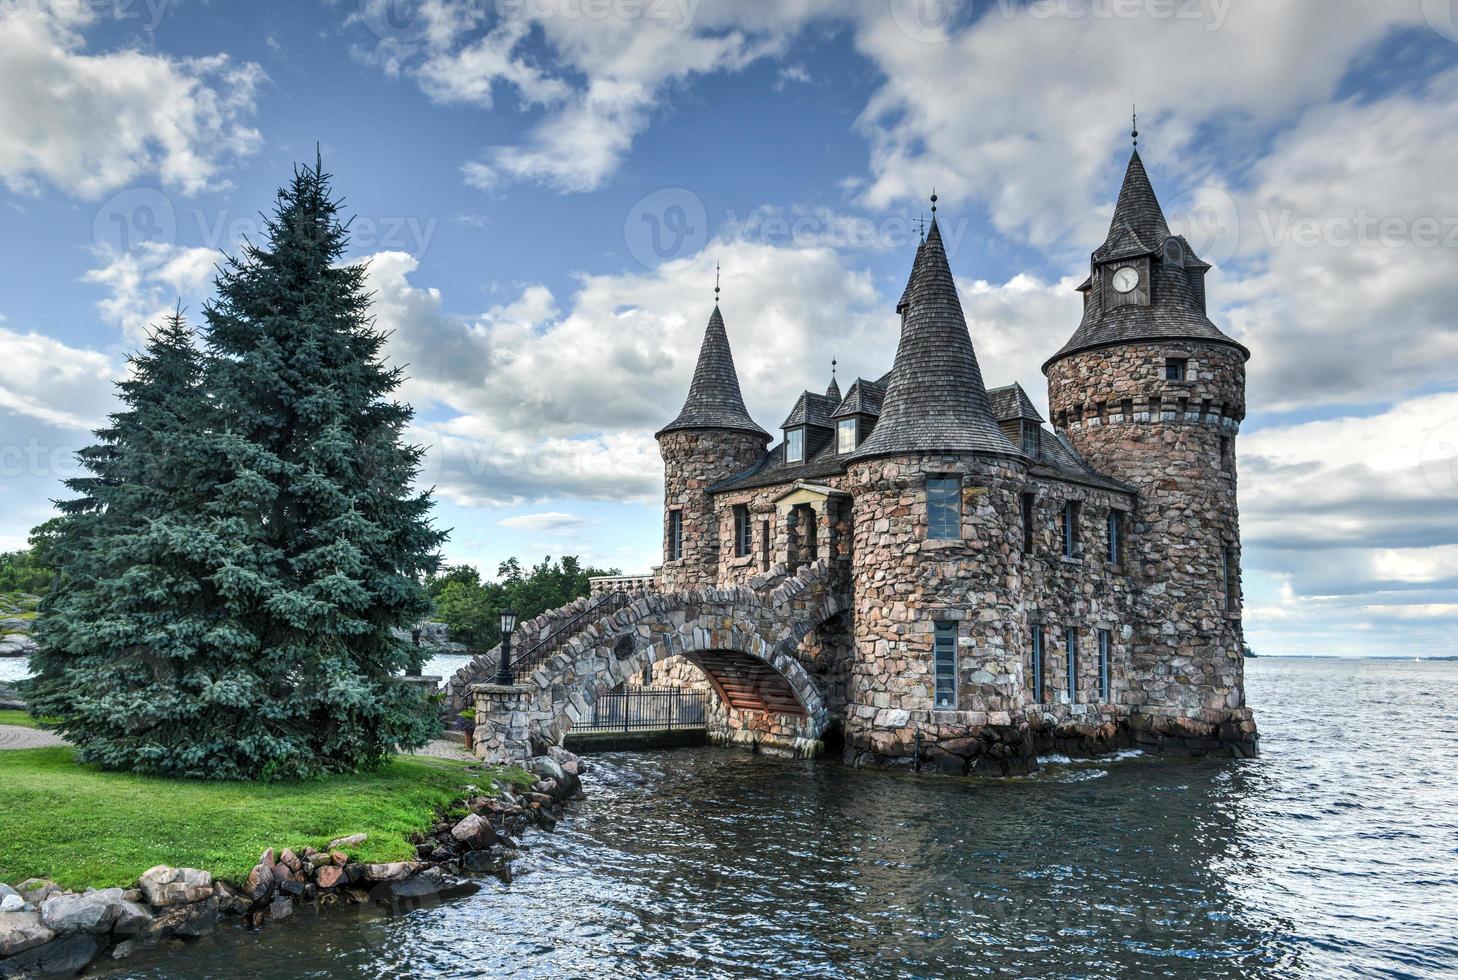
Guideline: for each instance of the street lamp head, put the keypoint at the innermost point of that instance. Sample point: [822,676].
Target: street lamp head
[508,621]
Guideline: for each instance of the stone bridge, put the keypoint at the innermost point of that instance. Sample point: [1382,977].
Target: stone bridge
[745,639]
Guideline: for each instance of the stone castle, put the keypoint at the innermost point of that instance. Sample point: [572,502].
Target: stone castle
[922,570]
[1010,585]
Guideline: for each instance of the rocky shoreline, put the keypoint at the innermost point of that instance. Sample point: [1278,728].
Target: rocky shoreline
[47,931]
[17,617]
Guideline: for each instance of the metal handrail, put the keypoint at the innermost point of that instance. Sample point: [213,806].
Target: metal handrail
[546,646]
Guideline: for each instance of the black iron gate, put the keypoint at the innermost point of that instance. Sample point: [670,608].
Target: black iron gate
[638,709]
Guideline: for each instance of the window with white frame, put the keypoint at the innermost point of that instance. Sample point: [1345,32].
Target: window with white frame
[1035,669]
[1116,537]
[1105,642]
[944,508]
[1070,530]
[1070,645]
[944,656]
[795,446]
[742,531]
[675,535]
[845,435]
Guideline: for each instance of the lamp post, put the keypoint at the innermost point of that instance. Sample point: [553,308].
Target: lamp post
[503,667]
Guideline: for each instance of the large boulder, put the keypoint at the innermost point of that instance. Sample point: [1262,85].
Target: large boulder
[394,871]
[474,831]
[20,931]
[196,919]
[65,956]
[165,887]
[87,912]
[37,890]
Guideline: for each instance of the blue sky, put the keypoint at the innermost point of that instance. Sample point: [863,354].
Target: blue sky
[543,187]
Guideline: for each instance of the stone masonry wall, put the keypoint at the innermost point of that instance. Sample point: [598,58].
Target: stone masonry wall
[904,583]
[1175,442]
[694,460]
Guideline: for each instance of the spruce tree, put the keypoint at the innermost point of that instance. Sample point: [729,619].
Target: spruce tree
[328,541]
[124,631]
[241,551]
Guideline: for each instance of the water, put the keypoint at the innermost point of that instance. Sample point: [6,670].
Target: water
[1333,855]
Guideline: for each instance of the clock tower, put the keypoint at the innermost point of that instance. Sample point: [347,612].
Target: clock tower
[1151,392]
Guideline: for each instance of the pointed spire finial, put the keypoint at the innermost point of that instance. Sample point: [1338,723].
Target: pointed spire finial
[921,227]
[716,283]
[934,203]
[1134,132]
[833,363]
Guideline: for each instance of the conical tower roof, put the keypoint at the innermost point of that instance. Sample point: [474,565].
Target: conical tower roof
[714,399]
[1176,309]
[1138,226]
[936,400]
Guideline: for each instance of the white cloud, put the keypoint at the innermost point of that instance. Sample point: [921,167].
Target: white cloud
[608,72]
[89,123]
[147,282]
[51,382]
[550,521]
[541,399]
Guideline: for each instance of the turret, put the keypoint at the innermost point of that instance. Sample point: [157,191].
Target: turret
[933,485]
[712,438]
[1151,392]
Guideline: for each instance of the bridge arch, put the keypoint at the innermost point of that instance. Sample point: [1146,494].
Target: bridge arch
[744,639]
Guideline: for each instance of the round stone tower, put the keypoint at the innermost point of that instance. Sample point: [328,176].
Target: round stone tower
[712,438]
[938,676]
[1152,393]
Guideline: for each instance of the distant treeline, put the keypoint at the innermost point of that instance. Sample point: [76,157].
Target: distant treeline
[472,608]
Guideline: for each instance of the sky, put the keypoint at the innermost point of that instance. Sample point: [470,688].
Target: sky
[542,190]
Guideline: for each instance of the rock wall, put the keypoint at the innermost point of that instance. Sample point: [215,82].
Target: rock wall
[693,461]
[1174,441]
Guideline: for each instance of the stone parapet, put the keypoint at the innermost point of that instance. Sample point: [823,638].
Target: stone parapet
[503,722]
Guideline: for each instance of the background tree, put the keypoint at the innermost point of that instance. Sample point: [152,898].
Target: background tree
[472,609]
[124,635]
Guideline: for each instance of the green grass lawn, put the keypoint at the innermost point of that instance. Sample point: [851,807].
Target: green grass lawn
[21,718]
[84,827]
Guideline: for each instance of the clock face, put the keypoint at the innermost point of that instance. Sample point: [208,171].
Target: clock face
[1126,279]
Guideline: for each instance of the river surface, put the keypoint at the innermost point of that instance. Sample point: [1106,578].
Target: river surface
[1335,854]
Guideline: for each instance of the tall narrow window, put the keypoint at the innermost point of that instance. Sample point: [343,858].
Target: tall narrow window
[675,535]
[764,545]
[944,508]
[795,446]
[1029,514]
[1030,439]
[1035,669]
[1225,453]
[1116,538]
[945,666]
[742,543]
[1104,643]
[1229,578]
[1175,368]
[1070,530]
[1070,645]
[1126,407]
[845,436]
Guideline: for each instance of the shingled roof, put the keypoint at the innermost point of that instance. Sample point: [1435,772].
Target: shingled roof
[1012,402]
[714,399]
[1138,227]
[936,400]
[864,398]
[811,409]
[1176,310]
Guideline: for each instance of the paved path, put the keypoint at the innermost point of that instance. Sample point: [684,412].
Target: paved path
[19,737]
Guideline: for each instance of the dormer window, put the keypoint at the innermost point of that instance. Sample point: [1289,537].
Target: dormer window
[846,431]
[1031,432]
[795,446]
